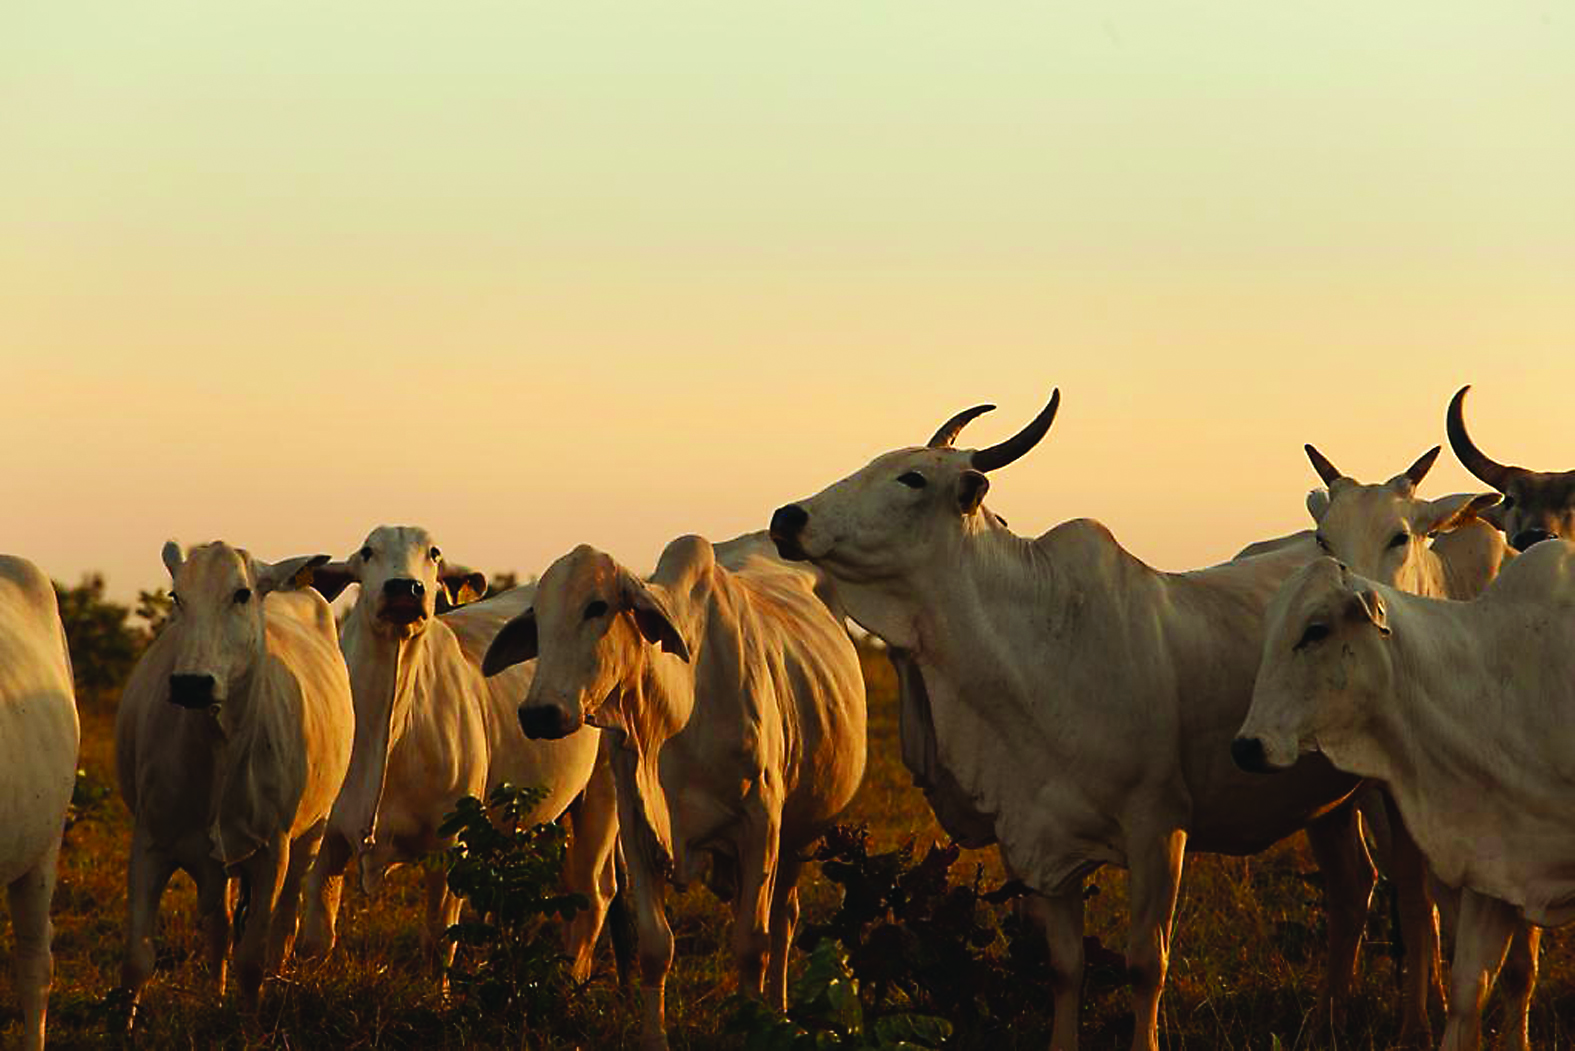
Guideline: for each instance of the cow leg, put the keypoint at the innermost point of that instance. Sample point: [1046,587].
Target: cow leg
[1487,926]
[442,912]
[1517,981]
[1155,880]
[1060,918]
[1424,970]
[264,873]
[147,874]
[758,854]
[655,940]
[324,885]
[591,866]
[287,910]
[32,963]
[1348,880]
[214,906]
[784,918]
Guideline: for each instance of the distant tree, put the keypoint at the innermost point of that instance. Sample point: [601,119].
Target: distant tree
[498,583]
[104,644]
[154,609]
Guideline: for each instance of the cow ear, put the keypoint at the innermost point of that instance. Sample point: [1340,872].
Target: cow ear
[288,575]
[651,616]
[331,578]
[1367,604]
[971,487]
[173,559]
[462,585]
[1318,504]
[513,645]
[1450,513]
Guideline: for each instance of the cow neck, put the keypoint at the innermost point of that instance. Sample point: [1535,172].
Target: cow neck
[383,680]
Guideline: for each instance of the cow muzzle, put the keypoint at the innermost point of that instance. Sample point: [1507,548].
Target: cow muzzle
[404,601]
[546,722]
[192,691]
[1250,755]
[786,525]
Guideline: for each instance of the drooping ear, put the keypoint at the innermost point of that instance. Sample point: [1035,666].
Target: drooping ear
[288,575]
[1368,604]
[173,559]
[512,645]
[971,487]
[651,616]
[1452,512]
[331,578]
[462,585]
[1318,504]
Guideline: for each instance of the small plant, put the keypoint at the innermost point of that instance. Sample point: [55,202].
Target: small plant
[511,959]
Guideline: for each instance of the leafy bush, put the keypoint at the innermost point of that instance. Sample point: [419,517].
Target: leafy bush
[511,959]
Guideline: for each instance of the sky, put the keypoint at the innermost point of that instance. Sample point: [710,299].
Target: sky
[534,274]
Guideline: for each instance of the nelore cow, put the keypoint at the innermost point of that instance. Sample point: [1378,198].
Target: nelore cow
[430,730]
[1462,710]
[231,741]
[1538,505]
[38,762]
[1078,705]
[1439,548]
[737,704]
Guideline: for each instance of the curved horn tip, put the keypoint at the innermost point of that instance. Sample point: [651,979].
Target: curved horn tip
[947,433]
[1475,460]
[1003,453]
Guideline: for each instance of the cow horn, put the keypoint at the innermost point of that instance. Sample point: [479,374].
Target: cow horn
[1489,471]
[1018,444]
[1424,463]
[949,430]
[1326,470]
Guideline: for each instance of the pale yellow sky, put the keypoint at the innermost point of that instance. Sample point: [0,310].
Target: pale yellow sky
[531,274]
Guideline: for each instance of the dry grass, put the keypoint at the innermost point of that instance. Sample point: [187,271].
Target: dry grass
[1245,967]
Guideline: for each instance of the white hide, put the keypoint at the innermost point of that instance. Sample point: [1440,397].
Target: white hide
[241,788]
[737,701]
[38,762]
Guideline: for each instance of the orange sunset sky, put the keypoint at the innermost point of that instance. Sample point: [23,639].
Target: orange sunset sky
[531,274]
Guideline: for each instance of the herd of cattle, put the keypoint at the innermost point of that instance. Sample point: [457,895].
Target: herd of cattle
[1402,666]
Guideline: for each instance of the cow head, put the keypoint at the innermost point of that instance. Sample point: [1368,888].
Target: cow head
[905,508]
[1382,531]
[1538,505]
[1325,667]
[400,571]
[590,621]
[217,619]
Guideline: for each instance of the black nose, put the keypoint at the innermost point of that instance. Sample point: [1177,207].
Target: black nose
[544,721]
[403,587]
[1526,537]
[1248,753]
[786,523]
[191,691]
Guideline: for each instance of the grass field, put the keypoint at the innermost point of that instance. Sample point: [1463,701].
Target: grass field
[1247,951]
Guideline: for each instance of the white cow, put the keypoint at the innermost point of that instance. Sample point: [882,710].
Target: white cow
[38,762]
[1080,703]
[430,730]
[232,738]
[738,704]
[1462,710]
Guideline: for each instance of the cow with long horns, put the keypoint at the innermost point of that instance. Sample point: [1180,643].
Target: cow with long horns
[1067,701]
[1538,505]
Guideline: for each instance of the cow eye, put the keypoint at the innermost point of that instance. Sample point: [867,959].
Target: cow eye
[595,609]
[1506,503]
[1323,542]
[243,596]
[1400,539]
[913,480]
[366,553]
[434,554]
[174,600]
[1314,633]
